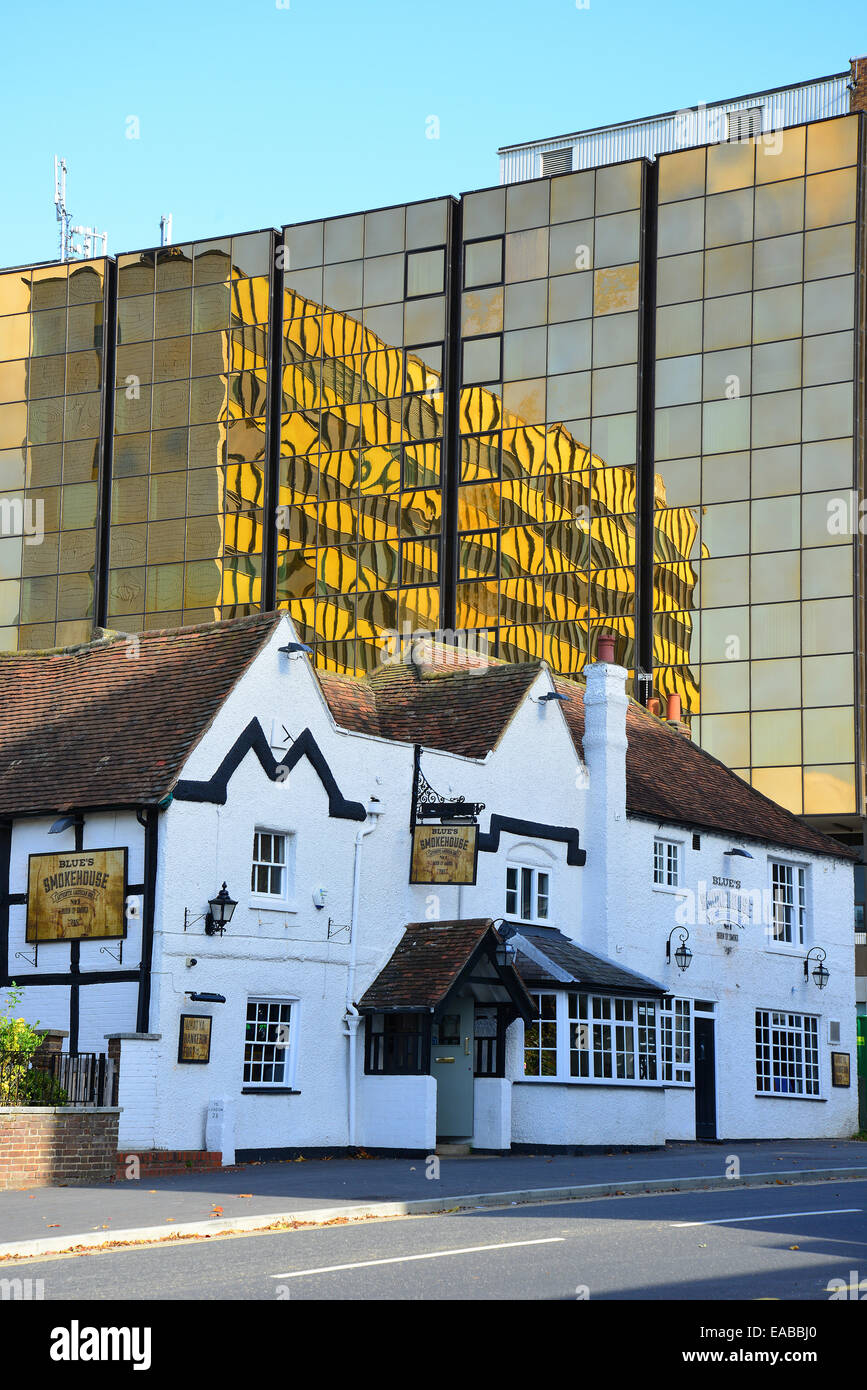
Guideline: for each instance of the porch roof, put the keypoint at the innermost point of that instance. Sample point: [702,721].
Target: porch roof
[547,957]
[433,958]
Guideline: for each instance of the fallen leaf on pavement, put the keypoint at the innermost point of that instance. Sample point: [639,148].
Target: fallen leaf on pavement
[53,1225]
[794,1247]
[245,1194]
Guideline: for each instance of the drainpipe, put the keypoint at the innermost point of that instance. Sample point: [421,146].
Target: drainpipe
[352,1017]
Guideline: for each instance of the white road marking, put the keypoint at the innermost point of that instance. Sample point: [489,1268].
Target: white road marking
[430,1255]
[775,1216]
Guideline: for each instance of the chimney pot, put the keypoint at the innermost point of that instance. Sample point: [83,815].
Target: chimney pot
[654,705]
[672,712]
[605,648]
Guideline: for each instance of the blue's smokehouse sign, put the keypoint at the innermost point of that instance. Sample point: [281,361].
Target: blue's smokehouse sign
[77,895]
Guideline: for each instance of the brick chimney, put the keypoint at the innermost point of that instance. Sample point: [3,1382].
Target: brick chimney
[605,705]
[858,84]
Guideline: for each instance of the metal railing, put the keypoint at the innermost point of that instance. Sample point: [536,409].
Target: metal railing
[58,1078]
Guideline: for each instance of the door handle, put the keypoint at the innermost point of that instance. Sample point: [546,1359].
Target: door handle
[444,1059]
[467,1046]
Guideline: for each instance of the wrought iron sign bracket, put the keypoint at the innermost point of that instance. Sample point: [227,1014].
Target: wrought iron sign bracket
[107,951]
[22,955]
[427,804]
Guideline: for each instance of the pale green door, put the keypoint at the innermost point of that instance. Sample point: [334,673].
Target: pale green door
[452,1068]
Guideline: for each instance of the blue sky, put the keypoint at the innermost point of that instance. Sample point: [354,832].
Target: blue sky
[259,112]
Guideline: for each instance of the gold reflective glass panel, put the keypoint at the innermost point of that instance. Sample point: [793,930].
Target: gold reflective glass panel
[191,392]
[51,380]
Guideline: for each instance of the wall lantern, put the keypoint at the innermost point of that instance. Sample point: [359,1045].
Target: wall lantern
[220,914]
[683,955]
[506,954]
[820,974]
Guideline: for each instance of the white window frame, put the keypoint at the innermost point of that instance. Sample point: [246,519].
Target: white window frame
[788,1054]
[795,925]
[664,845]
[537,897]
[622,1038]
[284,901]
[281,1034]
[541,1037]
[676,1037]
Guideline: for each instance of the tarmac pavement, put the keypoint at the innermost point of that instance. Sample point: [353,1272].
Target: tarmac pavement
[257,1195]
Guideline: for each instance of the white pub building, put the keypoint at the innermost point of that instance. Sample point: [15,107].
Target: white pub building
[456,900]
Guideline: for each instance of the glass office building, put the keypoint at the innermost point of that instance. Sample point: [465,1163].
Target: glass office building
[52,376]
[190,432]
[623,398]
[755,414]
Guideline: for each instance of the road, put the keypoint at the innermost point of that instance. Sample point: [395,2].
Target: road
[749,1243]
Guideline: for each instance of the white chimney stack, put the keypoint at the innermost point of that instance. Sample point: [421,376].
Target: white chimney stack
[605,706]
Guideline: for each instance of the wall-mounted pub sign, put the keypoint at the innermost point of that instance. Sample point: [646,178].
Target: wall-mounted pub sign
[840,1069]
[444,854]
[194,1038]
[76,895]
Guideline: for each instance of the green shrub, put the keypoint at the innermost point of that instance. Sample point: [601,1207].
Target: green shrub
[41,1088]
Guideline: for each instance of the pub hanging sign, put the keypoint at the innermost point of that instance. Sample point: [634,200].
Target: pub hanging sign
[444,854]
[76,895]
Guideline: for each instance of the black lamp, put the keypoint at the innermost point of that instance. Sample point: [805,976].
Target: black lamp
[220,915]
[683,955]
[821,976]
[505,955]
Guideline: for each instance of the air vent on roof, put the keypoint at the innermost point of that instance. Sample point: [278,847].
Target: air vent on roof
[741,125]
[557,161]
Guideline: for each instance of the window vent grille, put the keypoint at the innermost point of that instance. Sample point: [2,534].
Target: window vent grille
[742,125]
[557,161]
[833,1030]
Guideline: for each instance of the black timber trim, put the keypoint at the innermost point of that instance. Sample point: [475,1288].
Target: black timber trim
[105,455]
[489,841]
[5,858]
[90,977]
[273,425]
[151,836]
[215,790]
[75,956]
[450,463]
[645,465]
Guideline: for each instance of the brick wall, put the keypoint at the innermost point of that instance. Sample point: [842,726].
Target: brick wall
[858,89]
[160,1163]
[56,1146]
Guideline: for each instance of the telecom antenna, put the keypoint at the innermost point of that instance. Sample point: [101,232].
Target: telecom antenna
[75,242]
[166,229]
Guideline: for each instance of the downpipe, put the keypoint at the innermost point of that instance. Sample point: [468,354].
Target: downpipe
[352,1018]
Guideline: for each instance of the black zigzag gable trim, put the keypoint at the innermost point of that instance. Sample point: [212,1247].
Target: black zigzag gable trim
[253,739]
[489,842]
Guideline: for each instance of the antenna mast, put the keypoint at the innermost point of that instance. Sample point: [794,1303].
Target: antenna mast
[75,242]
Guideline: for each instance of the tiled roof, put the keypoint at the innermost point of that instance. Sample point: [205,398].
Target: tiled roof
[111,723]
[453,706]
[581,967]
[670,779]
[426,963]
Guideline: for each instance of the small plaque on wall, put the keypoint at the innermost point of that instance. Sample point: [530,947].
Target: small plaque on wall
[840,1069]
[194,1039]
